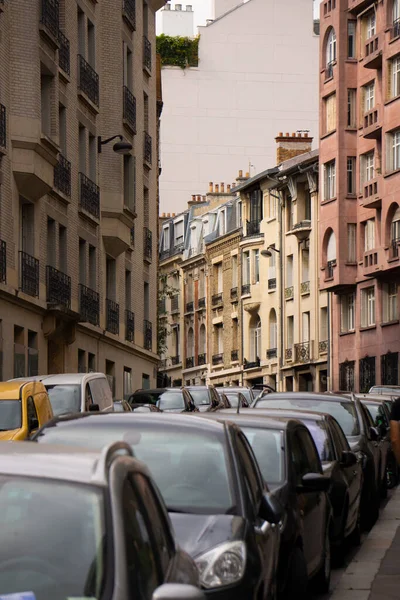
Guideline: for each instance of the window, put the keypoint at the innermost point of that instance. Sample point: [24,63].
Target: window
[178,233]
[390,312]
[219,338]
[351,175]
[289,271]
[146,111]
[46,85]
[146,300]
[393,150]
[394,76]
[255,340]
[62,248]
[202,282]
[190,343]
[289,214]
[127,382]
[256,256]
[62,129]
[27,225]
[351,39]
[290,332]
[219,274]
[272,206]
[92,267]
[128,67]
[82,149]
[272,264]
[367,167]
[33,354]
[351,242]
[234,271]
[369,235]
[396,11]
[82,261]
[51,242]
[305,266]
[166,240]
[305,326]
[351,108]
[256,206]
[395,227]
[369,96]
[331,48]
[330,113]
[371,25]
[129,181]
[246,268]
[110,278]
[347,312]
[368,307]
[273,330]
[331,248]
[91,363]
[323,325]
[330,180]
[128,289]
[92,157]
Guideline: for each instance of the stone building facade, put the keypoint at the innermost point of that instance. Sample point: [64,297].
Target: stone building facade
[78,221]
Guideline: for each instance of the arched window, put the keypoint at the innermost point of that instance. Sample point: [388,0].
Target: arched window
[395,227]
[273,330]
[255,339]
[190,343]
[331,248]
[396,12]
[202,339]
[331,47]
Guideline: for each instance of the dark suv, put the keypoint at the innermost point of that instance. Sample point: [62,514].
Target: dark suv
[100,528]
[165,399]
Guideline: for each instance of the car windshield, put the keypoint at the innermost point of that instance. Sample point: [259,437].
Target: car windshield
[10,415]
[64,398]
[320,436]
[344,412]
[233,400]
[200,397]
[190,468]
[267,447]
[53,539]
[171,401]
[247,393]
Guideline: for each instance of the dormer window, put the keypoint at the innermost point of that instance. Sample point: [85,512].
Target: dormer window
[166,239]
[178,233]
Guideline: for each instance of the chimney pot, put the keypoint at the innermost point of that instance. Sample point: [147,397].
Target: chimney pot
[247,175]
[280,134]
[286,135]
[240,174]
[163,215]
[299,135]
[293,135]
[168,215]
[216,188]
[193,197]
[210,187]
[172,214]
[228,188]
[222,188]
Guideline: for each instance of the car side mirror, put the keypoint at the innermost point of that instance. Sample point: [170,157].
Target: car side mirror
[349,459]
[374,434]
[315,482]
[94,408]
[271,509]
[178,591]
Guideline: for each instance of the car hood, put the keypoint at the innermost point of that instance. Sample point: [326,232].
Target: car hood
[198,533]
[8,435]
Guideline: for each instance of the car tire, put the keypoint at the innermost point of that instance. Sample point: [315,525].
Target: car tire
[296,583]
[323,578]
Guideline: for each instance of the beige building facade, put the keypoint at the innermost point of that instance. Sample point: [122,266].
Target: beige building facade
[78,221]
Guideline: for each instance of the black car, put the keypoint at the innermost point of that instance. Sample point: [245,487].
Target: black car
[222,512]
[361,434]
[166,399]
[206,398]
[292,469]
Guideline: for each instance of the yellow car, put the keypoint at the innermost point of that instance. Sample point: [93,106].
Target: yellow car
[24,407]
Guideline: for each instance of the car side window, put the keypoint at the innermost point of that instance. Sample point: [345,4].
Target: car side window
[100,394]
[311,454]
[340,439]
[33,421]
[88,397]
[366,419]
[298,458]
[252,477]
[141,563]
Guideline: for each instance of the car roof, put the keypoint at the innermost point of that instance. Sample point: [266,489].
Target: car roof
[292,413]
[158,390]
[304,396]
[247,416]
[11,390]
[198,387]
[63,378]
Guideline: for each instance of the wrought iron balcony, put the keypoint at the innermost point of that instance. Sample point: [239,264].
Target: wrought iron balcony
[289,354]
[89,305]
[89,196]
[251,365]
[28,274]
[62,176]
[175,303]
[272,353]
[147,244]
[235,355]
[217,359]
[147,335]
[289,293]
[202,302]
[3,127]
[272,283]
[302,352]
[331,264]
[129,326]
[395,30]
[202,359]
[305,287]
[64,55]
[129,113]
[189,307]
[3,261]
[112,316]
[234,293]
[216,299]
[245,289]
[189,362]
[147,148]
[146,53]
[175,360]
[58,287]
[88,80]
[50,16]
[129,12]
[323,347]
[252,228]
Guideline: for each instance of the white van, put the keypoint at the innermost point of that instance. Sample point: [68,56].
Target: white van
[76,392]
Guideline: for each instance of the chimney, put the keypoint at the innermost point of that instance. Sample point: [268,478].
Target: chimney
[216,188]
[222,188]
[210,187]
[228,188]
[291,145]
[240,174]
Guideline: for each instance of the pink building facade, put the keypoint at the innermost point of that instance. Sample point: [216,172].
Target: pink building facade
[359,210]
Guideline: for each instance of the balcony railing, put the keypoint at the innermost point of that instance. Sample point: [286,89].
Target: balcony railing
[147,148]
[234,355]
[251,365]
[217,359]
[331,264]
[272,353]
[129,326]
[58,287]
[89,305]
[175,360]
[3,261]
[50,16]
[289,293]
[112,316]
[130,109]
[289,354]
[146,53]
[373,53]
[305,288]
[395,30]
[88,81]
[245,289]
[202,359]
[189,307]
[202,302]
[3,127]
[302,352]
[175,303]
[129,12]
[64,55]
[323,347]
[147,244]
[29,274]
[189,362]
[234,293]
[329,70]
[252,228]
[89,196]
[62,176]
[147,335]
[216,299]
[272,283]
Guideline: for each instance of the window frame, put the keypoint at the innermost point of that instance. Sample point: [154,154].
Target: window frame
[330,180]
[368,307]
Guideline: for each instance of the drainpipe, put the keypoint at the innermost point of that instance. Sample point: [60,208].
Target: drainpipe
[329,359]
[282,297]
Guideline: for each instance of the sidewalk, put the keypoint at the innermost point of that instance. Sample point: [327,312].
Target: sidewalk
[374,573]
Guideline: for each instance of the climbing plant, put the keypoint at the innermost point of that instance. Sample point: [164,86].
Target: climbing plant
[177,51]
[163,331]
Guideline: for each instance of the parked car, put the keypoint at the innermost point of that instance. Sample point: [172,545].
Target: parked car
[362,436]
[235,398]
[222,512]
[58,534]
[146,408]
[76,392]
[166,399]
[122,406]
[386,390]
[290,465]
[24,407]
[247,392]
[206,398]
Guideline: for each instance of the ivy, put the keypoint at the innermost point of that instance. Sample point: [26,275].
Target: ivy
[163,330]
[177,51]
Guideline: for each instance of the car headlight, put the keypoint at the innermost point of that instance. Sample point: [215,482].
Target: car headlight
[223,565]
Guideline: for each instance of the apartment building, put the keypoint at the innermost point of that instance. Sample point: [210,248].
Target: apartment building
[79,210]
[359,208]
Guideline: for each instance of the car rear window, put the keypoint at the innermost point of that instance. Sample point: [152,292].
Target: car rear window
[171,401]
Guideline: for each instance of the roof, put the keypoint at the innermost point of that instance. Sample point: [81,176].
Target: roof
[292,413]
[255,179]
[247,416]
[10,390]
[304,396]
[298,160]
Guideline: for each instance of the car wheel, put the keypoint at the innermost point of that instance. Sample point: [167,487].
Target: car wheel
[323,578]
[296,583]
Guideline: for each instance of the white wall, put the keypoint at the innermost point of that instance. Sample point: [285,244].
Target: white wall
[257,76]
[175,22]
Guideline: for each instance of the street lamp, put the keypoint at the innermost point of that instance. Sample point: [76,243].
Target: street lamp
[268,252]
[121,147]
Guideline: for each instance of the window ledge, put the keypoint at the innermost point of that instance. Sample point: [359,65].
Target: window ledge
[352,129]
[270,219]
[369,328]
[392,100]
[351,264]
[395,39]
[351,196]
[343,333]
[328,201]
[327,134]
[394,259]
[390,173]
[352,61]
[388,323]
